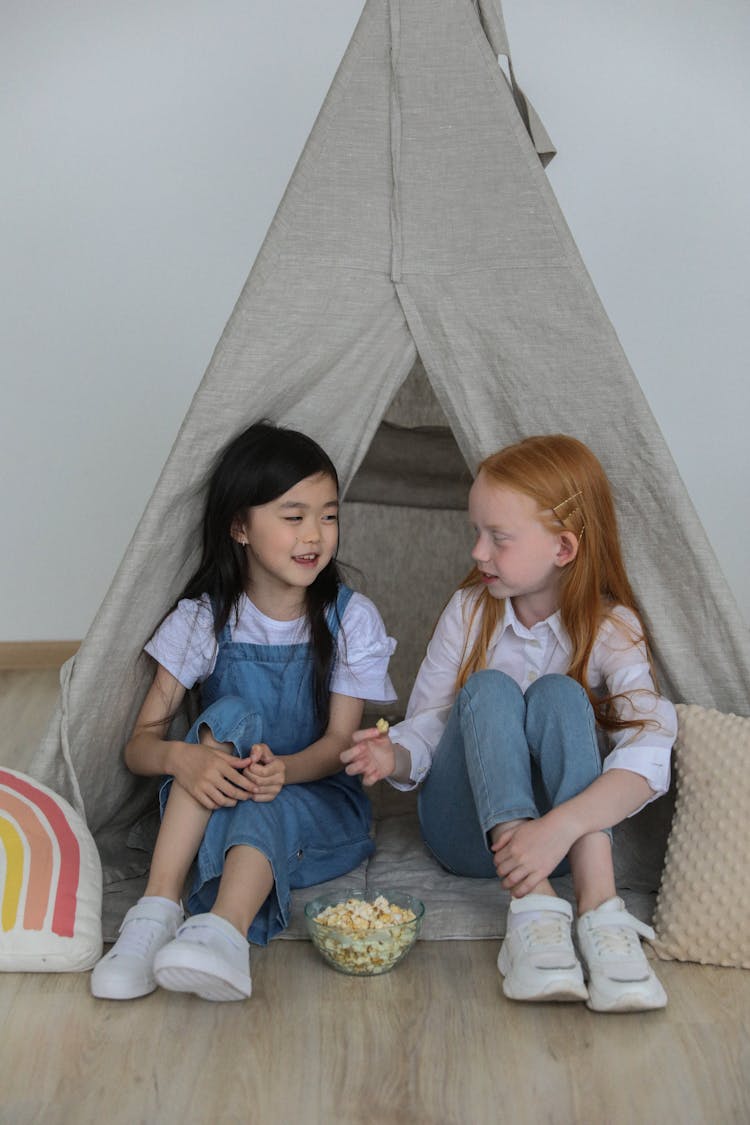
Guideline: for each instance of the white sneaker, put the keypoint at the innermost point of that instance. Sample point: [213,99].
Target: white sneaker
[127,971]
[208,957]
[537,958]
[620,977]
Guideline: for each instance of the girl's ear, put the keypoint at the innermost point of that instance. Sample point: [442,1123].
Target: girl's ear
[238,531]
[567,548]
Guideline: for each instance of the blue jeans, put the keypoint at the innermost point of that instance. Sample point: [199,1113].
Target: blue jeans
[505,755]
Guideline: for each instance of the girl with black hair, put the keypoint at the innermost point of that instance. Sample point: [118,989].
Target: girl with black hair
[284,654]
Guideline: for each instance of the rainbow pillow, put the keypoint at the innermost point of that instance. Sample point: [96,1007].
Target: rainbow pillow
[50,881]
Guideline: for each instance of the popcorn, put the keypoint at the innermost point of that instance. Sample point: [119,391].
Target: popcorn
[368,937]
[383,726]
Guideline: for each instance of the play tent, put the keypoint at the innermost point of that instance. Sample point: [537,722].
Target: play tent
[417,303]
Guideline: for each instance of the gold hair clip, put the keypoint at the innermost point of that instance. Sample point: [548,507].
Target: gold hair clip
[567,501]
[575,510]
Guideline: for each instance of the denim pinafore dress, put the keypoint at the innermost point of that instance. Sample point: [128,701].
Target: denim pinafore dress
[310,832]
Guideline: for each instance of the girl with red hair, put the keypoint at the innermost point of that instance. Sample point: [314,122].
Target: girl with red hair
[539,655]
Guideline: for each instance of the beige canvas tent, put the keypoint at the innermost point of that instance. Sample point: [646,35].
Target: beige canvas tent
[417,303]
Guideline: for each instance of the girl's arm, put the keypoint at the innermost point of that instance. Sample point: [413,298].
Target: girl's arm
[636,770]
[321,758]
[608,800]
[148,753]
[621,664]
[210,774]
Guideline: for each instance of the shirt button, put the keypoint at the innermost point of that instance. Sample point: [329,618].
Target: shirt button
[300,853]
[531,676]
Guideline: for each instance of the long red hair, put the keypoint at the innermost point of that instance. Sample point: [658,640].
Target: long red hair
[572,491]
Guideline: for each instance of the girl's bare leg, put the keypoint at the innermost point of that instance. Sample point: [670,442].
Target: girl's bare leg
[246,882]
[180,835]
[593,871]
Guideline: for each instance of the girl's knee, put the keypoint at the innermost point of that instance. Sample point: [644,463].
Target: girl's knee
[560,724]
[228,719]
[555,691]
[490,684]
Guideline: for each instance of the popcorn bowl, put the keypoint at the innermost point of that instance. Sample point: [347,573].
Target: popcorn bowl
[364,933]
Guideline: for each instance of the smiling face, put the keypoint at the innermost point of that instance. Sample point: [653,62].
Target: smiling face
[516,553]
[289,541]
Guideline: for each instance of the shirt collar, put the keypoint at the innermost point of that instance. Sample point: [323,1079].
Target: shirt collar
[552,623]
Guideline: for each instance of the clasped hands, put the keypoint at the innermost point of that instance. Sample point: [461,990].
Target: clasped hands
[217,778]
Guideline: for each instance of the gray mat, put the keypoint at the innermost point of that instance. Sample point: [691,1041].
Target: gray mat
[456,908]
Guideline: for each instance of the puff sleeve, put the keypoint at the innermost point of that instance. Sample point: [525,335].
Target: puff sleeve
[185,644]
[364,650]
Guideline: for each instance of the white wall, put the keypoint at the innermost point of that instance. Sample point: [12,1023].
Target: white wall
[145,147]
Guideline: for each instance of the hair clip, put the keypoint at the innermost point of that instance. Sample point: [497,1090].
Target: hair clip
[575,510]
[567,501]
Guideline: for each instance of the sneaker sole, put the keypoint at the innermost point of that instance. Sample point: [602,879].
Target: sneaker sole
[562,987]
[121,993]
[560,992]
[633,1001]
[117,986]
[194,969]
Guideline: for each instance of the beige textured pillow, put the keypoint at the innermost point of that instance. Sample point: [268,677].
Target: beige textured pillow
[703,905]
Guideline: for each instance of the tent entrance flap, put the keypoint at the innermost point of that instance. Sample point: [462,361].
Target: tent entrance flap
[405,538]
[413,459]
[419,467]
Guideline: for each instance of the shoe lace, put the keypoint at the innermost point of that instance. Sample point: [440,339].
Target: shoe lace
[553,929]
[618,936]
[615,941]
[138,936]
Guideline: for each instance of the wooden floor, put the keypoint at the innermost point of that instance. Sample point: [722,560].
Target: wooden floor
[434,1042]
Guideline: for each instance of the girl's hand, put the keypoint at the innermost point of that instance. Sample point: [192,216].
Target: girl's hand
[528,853]
[372,756]
[212,776]
[266,772]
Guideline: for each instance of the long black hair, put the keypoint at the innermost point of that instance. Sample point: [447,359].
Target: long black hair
[255,468]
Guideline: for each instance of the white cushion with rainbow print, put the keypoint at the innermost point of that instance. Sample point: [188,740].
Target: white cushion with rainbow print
[50,881]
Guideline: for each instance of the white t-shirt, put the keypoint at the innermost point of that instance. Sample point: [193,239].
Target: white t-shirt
[616,665]
[185,644]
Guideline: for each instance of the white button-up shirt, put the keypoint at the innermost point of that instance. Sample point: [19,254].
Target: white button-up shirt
[617,665]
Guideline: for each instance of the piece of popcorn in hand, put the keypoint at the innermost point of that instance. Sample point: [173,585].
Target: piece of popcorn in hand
[383,726]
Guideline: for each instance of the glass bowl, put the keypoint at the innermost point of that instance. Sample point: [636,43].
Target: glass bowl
[365,952]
